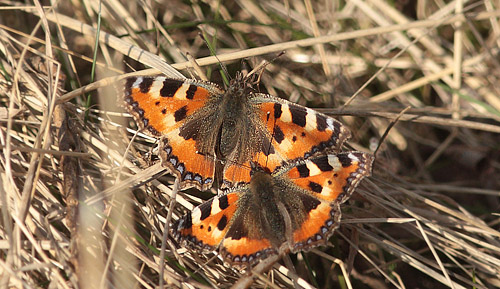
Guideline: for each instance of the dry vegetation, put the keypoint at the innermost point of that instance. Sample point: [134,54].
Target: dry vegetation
[84,203]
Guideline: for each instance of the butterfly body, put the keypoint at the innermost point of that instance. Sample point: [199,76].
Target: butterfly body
[295,207]
[204,128]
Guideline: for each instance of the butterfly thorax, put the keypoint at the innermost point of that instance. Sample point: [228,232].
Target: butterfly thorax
[237,134]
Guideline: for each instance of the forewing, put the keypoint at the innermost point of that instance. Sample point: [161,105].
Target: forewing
[298,132]
[162,106]
[288,133]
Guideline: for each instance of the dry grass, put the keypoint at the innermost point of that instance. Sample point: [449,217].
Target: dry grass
[81,201]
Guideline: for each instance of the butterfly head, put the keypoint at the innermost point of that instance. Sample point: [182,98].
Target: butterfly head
[242,84]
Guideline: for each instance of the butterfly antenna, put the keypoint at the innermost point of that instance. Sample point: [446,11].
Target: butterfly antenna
[262,65]
[224,75]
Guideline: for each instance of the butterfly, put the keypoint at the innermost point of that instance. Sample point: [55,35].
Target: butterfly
[206,131]
[296,207]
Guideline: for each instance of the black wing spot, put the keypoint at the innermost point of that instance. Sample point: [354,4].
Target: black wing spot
[191,91]
[164,111]
[279,136]
[128,85]
[223,202]
[277,110]
[170,87]
[180,114]
[157,103]
[294,138]
[323,164]
[206,209]
[345,160]
[315,187]
[303,171]
[298,115]
[145,85]
[221,225]
[321,124]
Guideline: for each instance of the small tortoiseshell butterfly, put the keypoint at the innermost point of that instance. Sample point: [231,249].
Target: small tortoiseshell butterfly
[293,208]
[204,129]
